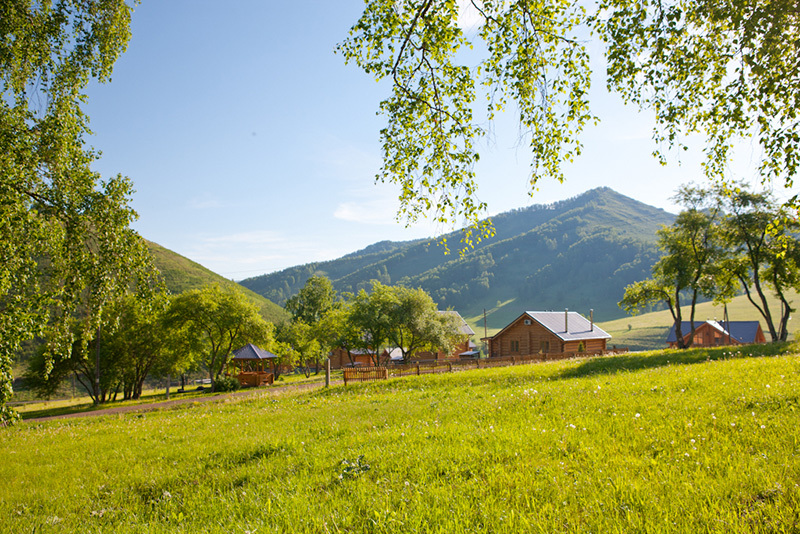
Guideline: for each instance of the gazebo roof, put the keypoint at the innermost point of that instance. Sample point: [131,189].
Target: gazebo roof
[251,352]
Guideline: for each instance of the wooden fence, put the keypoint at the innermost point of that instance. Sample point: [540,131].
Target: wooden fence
[367,374]
[364,374]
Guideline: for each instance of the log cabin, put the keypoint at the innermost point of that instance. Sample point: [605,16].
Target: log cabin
[548,332]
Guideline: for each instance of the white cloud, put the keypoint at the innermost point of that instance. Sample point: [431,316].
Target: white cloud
[368,212]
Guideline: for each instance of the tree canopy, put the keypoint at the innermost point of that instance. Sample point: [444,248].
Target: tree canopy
[216,320]
[729,240]
[725,70]
[65,240]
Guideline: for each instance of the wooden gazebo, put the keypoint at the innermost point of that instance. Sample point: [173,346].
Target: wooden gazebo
[250,361]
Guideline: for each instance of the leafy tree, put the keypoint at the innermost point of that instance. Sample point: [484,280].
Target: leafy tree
[287,356]
[308,308]
[46,372]
[765,253]
[132,343]
[416,324]
[313,300]
[65,240]
[401,317]
[534,59]
[371,314]
[216,320]
[725,69]
[722,69]
[303,341]
[689,268]
[138,340]
[338,330]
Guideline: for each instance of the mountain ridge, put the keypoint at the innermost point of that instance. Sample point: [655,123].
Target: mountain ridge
[576,253]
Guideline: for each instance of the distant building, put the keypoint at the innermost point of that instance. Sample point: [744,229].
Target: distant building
[341,358]
[548,332]
[464,347]
[717,333]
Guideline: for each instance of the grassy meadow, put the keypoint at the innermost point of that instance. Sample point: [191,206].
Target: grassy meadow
[694,441]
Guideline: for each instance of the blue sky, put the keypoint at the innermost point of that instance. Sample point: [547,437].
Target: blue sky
[253,147]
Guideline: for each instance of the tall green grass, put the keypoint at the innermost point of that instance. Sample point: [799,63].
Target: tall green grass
[694,441]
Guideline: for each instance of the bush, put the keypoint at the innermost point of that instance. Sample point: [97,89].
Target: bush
[226,383]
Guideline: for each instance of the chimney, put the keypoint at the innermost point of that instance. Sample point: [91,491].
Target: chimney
[566,320]
[591,318]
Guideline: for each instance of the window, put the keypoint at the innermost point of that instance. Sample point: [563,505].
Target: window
[527,322]
[544,346]
[514,346]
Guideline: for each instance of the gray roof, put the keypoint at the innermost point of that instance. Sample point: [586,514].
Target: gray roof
[579,326]
[463,327]
[251,352]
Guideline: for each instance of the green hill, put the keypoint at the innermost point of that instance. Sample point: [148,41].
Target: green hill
[181,274]
[579,253]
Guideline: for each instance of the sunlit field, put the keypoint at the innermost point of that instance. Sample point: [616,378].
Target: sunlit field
[694,441]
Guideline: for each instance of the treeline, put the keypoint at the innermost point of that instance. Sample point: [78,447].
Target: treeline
[368,322]
[166,336]
[728,240]
[137,337]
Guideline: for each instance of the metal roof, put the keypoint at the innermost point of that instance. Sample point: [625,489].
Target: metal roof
[741,331]
[577,326]
[251,352]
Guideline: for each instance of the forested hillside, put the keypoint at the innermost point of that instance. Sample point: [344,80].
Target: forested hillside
[579,253]
[181,274]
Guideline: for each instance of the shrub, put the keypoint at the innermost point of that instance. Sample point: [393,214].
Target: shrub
[226,383]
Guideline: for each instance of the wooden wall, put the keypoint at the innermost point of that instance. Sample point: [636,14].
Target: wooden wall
[535,339]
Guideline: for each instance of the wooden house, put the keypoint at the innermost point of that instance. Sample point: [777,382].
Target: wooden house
[342,358]
[717,333]
[548,332]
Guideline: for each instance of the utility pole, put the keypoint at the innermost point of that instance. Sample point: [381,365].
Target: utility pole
[97,368]
[727,323]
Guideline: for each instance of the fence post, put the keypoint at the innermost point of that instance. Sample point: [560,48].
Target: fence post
[417,368]
[449,367]
[327,372]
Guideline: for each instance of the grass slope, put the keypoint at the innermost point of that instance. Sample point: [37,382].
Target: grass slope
[181,274]
[694,441]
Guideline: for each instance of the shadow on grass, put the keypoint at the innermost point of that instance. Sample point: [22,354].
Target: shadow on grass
[90,407]
[607,365]
[62,410]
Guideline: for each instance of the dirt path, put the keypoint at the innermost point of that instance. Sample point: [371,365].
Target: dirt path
[152,406]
